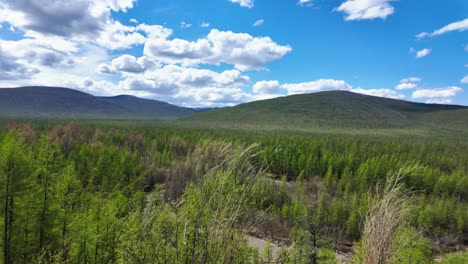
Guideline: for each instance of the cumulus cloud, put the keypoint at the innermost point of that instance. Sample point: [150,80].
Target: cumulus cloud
[11,69]
[54,59]
[242,50]
[305,3]
[190,86]
[408,83]
[439,101]
[410,79]
[50,52]
[243,3]
[406,86]
[79,20]
[74,49]
[259,22]
[127,63]
[39,68]
[423,53]
[365,9]
[57,17]
[379,92]
[212,97]
[444,95]
[267,87]
[117,36]
[316,86]
[455,26]
[464,80]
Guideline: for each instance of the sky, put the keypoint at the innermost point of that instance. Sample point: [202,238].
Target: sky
[211,53]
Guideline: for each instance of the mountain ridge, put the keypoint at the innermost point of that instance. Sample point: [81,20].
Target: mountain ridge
[338,110]
[333,109]
[60,102]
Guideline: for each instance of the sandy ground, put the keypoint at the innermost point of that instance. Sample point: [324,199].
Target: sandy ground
[260,244]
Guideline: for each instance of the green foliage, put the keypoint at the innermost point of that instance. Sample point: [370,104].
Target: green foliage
[110,193]
[455,258]
[411,247]
[206,227]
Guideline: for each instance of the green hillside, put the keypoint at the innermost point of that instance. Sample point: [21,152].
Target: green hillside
[54,102]
[334,110]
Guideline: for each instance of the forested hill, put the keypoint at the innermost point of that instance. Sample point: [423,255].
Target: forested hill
[54,102]
[334,109]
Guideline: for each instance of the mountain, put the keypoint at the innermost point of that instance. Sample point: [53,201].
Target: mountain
[334,110]
[56,102]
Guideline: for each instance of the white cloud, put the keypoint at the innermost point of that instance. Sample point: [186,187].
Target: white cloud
[379,92]
[408,83]
[243,3]
[117,36]
[154,31]
[423,53]
[80,21]
[127,63]
[316,86]
[190,86]
[184,24]
[466,47]
[305,3]
[63,18]
[439,101]
[205,25]
[239,49]
[54,62]
[438,95]
[258,23]
[77,19]
[410,79]
[119,5]
[212,97]
[12,69]
[72,47]
[34,57]
[406,86]
[267,87]
[366,9]
[455,26]
[464,80]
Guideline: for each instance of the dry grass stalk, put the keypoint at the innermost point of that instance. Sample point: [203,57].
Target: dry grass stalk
[384,218]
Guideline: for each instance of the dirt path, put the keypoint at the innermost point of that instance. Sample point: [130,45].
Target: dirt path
[261,244]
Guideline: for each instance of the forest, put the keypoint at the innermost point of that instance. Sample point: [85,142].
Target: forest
[108,192]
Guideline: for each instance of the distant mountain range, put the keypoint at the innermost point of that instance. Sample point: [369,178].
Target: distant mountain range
[306,112]
[55,102]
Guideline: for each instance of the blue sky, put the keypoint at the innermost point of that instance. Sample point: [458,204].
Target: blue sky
[225,52]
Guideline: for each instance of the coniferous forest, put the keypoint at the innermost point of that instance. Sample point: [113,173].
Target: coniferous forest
[104,192]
